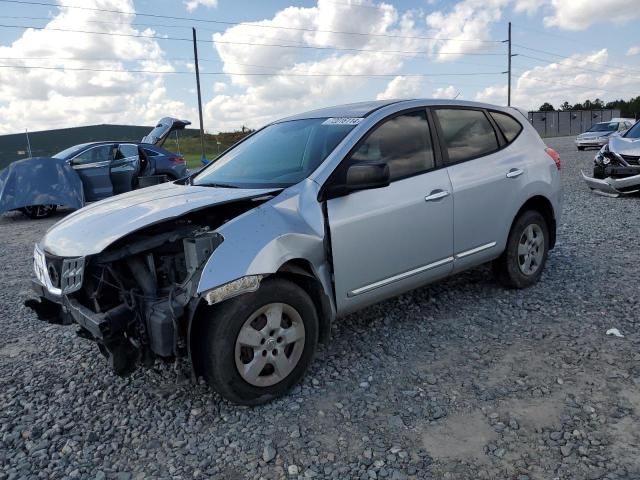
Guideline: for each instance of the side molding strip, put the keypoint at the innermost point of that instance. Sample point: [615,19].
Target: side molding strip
[400,276]
[476,250]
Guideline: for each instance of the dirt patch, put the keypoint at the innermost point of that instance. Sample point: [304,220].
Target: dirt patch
[16,348]
[534,413]
[461,437]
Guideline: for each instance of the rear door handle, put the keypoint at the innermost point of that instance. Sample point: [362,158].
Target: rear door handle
[436,195]
[514,172]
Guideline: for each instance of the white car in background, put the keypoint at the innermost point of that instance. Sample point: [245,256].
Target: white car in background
[599,133]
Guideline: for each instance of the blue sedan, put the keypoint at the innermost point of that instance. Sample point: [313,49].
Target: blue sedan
[89,172]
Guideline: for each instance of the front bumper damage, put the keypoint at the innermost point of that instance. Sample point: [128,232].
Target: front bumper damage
[613,175]
[613,186]
[134,301]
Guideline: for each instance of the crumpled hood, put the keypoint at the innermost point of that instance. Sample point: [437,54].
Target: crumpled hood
[93,228]
[625,146]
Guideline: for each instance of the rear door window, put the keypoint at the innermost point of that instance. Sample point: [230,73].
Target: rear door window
[467,134]
[510,127]
[402,142]
[127,150]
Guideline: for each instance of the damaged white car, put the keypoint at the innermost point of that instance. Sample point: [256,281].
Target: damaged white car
[243,266]
[616,169]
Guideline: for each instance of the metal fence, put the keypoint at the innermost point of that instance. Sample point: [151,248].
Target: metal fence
[571,122]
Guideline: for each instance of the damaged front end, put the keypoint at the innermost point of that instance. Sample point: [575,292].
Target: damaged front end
[136,297]
[614,174]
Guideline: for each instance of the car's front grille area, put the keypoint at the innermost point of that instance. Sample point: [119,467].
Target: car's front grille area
[58,274]
[53,268]
[631,159]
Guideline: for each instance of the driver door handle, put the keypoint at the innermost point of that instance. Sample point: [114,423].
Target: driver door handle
[514,172]
[436,195]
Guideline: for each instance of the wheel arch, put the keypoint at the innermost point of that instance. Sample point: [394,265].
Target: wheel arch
[300,272]
[544,206]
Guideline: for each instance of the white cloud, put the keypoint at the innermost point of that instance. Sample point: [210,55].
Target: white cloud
[465,28]
[219,87]
[449,92]
[402,87]
[530,7]
[559,82]
[61,97]
[264,98]
[633,51]
[193,4]
[580,14]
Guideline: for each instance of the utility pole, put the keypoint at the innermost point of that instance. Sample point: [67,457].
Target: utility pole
[26,132]
[508,72]
[195,56]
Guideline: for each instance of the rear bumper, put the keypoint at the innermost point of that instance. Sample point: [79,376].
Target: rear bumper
[613,186]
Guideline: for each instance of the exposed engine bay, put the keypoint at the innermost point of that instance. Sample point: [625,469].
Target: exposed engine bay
[135,298]
[614,174]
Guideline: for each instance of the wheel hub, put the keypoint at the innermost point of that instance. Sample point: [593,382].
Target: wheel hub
[531,249]
[269,344]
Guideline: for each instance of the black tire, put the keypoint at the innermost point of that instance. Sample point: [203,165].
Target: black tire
[218,332]
[38,212]
[580,148]
[507,268]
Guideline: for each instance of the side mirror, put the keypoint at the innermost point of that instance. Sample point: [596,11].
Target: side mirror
[360,176]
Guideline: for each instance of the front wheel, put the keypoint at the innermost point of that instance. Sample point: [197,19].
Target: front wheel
[255,347]
[39,211]
[522,262]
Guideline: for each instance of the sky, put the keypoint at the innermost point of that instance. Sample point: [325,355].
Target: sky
[132,62]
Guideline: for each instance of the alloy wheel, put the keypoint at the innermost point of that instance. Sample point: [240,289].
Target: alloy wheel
[269,344]
[531,249]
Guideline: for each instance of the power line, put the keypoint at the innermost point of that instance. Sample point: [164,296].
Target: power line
[574,67]
[225,42]
[133,24]
[571,58]
[246,24]
[284,74]
[571,85]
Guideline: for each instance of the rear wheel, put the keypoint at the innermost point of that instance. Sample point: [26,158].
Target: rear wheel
[522,262]
[39,211]
[258,345]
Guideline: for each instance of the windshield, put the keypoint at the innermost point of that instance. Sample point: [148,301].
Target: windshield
[604,127]
[633,132]
[69,152]
[279,155]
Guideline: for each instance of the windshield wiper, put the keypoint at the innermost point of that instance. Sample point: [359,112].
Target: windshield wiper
[219,185]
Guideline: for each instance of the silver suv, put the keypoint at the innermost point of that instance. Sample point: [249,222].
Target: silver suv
[243,266]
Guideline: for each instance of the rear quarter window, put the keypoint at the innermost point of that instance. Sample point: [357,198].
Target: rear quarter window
[510,127]
[151,153]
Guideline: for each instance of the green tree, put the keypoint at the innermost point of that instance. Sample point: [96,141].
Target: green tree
[565,106]
[546,107]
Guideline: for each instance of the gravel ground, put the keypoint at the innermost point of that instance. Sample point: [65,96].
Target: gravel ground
[459,380]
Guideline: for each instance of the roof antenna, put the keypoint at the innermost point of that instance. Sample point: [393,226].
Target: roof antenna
[457,95]
[26,132]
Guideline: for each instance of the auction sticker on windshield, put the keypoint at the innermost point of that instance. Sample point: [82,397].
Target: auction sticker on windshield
[343,121]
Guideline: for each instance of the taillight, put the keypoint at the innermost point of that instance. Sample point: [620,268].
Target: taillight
[554,155]
[177,160]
